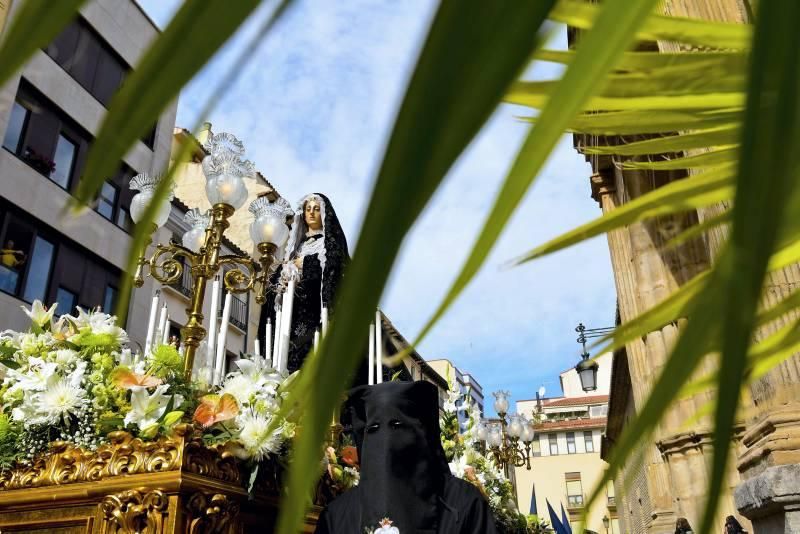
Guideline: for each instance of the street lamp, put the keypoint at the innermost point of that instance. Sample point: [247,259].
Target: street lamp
[605,523]
[510,441]
[225,171]
[586,368]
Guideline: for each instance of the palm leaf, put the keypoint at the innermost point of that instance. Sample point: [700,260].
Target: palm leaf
[582,15]
[712,137]
[597,54]
[681,195]
[34,26]
[703,160]
[473,52]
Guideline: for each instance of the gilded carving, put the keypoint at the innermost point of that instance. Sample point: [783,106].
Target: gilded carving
[212,514]
[134,512]
[125,455]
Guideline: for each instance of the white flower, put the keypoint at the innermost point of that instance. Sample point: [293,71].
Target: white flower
[256,438]
[36,377]
[146,409]
[99,323]
[450,403]
[458,466]
[241,387]
[38,314]
[65,357]
[60,400]
[126,358]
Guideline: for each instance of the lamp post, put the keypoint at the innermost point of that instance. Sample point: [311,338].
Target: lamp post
[606,523]
[510,441]
[225,172]
[586,368]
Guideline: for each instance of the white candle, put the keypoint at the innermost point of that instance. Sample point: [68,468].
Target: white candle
[268,344]
[212,323]
[276,352]
[324,321]
[371,357]
[151,322]
[316,340]
[165,333]
[378,349]
[162,324]
[288,307]
[223,335]
[284,353]
[256,348]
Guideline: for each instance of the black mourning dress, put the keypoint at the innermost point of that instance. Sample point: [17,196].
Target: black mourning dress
[404,473]
[324,256]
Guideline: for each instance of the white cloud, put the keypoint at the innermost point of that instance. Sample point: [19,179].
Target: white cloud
[314,107]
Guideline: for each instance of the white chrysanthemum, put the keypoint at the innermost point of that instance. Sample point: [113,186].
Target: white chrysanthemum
[60,400]
[256,438]
[64,357]
[242,387]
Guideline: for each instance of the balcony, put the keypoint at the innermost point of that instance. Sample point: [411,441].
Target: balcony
[575,502]
[238,316]
[184,284]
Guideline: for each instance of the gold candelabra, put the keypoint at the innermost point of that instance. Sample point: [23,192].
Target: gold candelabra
[168,262]
[225,171]
[510,444]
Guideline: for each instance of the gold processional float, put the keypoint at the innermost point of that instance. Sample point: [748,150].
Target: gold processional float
[175,483]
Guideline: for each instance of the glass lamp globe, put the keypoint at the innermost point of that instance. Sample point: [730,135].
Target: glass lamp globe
[146,184]
[495,438]
[225,170]
[515,426]
[527,432]
[195,237]
[269,225]
[587,371]
[501,402]
[481,432]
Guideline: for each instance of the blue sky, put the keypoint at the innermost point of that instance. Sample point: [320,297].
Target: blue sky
[314,107]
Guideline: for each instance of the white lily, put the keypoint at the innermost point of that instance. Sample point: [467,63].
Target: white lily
[39,314]
[146,409]
[37,377]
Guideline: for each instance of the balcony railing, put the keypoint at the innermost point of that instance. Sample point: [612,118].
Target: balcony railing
[184,284]
[238,316]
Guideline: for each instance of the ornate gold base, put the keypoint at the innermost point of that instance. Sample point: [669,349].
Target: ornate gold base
[174,485]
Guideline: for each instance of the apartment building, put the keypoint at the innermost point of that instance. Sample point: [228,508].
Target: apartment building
[565,462]
[468,387]
[49,114]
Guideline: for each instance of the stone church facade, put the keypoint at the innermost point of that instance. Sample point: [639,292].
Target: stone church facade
[668,476]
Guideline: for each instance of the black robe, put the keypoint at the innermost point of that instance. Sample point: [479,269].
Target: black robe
[404,474]
[463,511]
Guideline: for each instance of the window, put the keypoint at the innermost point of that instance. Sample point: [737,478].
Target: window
[85,55]
[107,200]
[17,122]
[574,489]
[109,299]
[611,494]
[598,411]
[39,270]
[66,300]
[45,138]
[587,439]
[36,262]
[124,220]
[63,160]
[536,447]
[553,444]
[571,443]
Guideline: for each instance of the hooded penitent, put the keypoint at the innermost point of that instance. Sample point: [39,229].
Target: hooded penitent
[405,482]
[324,256]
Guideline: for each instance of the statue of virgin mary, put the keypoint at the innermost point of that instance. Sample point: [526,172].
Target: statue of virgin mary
[315,256]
